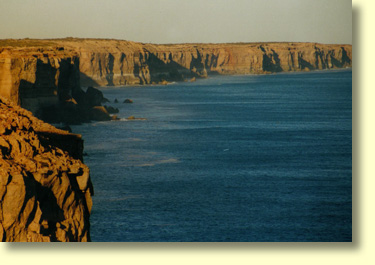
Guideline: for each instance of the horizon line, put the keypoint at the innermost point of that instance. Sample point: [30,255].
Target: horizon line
[175,43]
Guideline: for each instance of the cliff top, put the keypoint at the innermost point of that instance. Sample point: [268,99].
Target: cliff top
[74,42]
[6,106]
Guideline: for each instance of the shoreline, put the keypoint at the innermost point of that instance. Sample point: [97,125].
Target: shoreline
[103,88]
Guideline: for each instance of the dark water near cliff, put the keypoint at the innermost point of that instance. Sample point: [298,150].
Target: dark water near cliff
[243,158]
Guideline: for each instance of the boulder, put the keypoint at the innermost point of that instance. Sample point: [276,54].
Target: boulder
[115,118]
[99,113]
[132,118]
[105,100]
[111,110]
[128,101]
[163,82]
[79,95]
[93,97]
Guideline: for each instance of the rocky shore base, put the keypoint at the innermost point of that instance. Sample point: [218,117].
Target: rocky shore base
[84,106]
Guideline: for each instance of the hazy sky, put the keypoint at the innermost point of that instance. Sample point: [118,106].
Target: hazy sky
[176,21]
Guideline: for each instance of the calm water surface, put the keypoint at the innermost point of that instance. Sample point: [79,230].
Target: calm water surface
[229,158]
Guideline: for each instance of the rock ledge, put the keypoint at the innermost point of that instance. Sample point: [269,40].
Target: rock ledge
[45,189]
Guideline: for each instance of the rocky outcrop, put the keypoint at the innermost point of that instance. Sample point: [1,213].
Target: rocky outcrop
[45,189]
[35,77]
[83,107]
[46,81]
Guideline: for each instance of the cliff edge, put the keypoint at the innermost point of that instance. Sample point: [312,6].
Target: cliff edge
[115,62]
[45,76]
[45,189]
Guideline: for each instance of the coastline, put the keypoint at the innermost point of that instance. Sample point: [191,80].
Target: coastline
[49,79]
[103,88]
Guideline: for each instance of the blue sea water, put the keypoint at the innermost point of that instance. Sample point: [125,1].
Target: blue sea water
[228,158]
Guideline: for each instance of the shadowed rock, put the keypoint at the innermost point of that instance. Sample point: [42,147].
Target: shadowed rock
[94,97]
[128,101]
[99,113]
[111,110]
[132,118]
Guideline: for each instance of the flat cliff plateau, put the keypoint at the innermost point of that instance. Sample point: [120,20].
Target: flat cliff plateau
[45,189]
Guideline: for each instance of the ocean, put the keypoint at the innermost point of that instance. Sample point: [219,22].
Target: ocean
[255,158]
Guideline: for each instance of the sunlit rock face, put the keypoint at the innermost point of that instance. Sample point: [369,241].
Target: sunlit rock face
[45,189]
[35,77]
[45,76]
[113,62]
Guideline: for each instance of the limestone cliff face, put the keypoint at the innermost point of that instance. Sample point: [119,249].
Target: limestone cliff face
[113,62]
[35,77]
[45,189]
[41,73]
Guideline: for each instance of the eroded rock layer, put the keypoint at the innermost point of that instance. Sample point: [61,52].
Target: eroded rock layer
[114,62]
[35,77]
[45,74]
[45,189]
[118,62]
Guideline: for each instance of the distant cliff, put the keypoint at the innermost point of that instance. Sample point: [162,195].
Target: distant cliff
[38,74]
[113,62]
[45,189]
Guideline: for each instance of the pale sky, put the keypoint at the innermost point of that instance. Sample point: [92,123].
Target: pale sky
[179,21]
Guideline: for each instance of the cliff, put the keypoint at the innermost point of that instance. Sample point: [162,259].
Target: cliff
[45,189]
[37,77]
[45,79]
[114,62]
[42,74]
